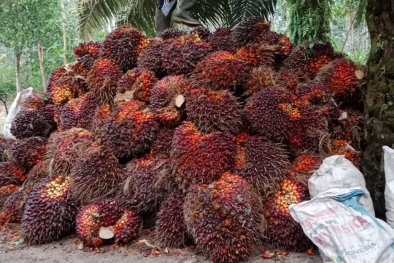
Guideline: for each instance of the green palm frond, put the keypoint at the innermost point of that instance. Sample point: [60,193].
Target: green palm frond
[141,14]
[250,8]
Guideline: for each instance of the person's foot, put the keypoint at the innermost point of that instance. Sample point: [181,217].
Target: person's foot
[186,19]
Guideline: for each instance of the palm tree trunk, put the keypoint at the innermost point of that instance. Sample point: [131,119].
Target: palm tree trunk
[18,72]
[379,94]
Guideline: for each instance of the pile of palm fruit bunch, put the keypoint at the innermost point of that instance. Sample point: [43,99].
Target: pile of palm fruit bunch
[206,137]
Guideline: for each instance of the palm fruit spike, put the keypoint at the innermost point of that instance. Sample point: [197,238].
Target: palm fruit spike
[129,132]
[282,230]
[87,49]
[128,227]
[6,191]
[271,113]
[220,70]
[96,173]
[39,122]
[197,158]
[280,44]
[100,117]
[339,76]
[36,175]
[11,174]
[216,217]
[36,100]
[250,30]
[260,78]
[138,82]
[214,110]
[124,45]
[172,33]
[162,145]
[64,148]
[150,58]
[201,33]
[260,162]
[180,56]
[102,80]
[13,207]
[50,211]
[27,152]
[78,113]
[303,167]
[170,227]
[163,99]
[256,55]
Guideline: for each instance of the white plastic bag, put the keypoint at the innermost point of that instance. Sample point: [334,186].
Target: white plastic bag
[344,230]
[338,172]
[389,188]
[16,106]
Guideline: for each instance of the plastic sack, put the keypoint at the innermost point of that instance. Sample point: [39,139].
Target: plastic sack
[338,172]
[389,188]
[343,230]
[16,106]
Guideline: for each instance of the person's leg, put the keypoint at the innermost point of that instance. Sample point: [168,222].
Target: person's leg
[162,22]
[182,14]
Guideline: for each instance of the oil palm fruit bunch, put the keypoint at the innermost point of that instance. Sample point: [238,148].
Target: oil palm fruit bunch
[224,218]
[50,211]
[260,78]
[100,117]
[162,145]
[150,58]
[11,173]
[36,174]
[138,82]
[303,167]
[201,32]
[172,33]
[27,152]
[199,158]
[36,100]
[124,45]
[256,55]
[222,40]
[250,30]
[128,227]
[6,191]
[13,207]
[87,53]
[278,43]
[282,230]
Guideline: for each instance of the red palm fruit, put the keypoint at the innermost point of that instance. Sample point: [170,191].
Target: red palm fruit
[128,227]
[220,70]
[272,113]
[282,230]
[180,56]
[260,162]
[250,30]
[130,131]
[279,43]
[11,174]
[289,79]
[95,173]
[296,60]
[197,158]
[50,211]
[342,147]
[102,80]
[256,55]
[39,122]
[314,93]
[100,117]
[110,210]
[64,148]
[27,152]
[13,207]
[139,82]
[78,113]
[260,78]
[225,218]
[221,40]
[36,175]
[150,58]
[201,33]
[303,167]
[124,45]
[214,110]
[162,145]
[163,99]
[339,76]
[6,191]
[36,100]
[172,33]
[87,49]
[170,228]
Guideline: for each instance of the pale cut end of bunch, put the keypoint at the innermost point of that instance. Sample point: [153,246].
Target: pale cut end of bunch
[106,232]
[179,100]
[359,74]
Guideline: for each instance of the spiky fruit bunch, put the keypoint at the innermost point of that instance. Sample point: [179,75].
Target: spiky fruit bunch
[315,93]
[27,152]
[162,145]
[36,174]
[139,82]
[95,173]
[39,122]
[87,49]
[289,79]
[11,174]
[221,40]
[279,44]
[214,110]
[170,227]
[163,99]
[282,230]
[256,55]
[6,191]
[180,56]
[220,70]
[78,113]
[129,131]
[260,78]
[320,55]
[172,33]
[64,148]
[127,227]
[100,117]
[150,58]
[342,147]
[349,126]
[250,30]
[13,207]
[56,209]
[102,80]
[261,162]
[225,218]
[296,60]
[197,158]
[200,32]
[124,45]
[36,100]
[303,167]
[339,76]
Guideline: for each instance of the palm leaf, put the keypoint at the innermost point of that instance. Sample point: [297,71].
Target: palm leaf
[250,8]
